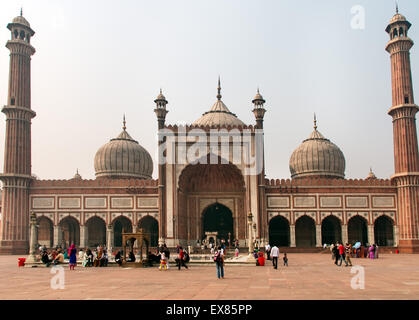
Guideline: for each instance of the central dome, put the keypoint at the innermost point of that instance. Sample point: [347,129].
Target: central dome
[317,157]
[123,157]
[219,115]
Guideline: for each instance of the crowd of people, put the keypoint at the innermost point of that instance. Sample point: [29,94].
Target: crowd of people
[344,253]
[96,258]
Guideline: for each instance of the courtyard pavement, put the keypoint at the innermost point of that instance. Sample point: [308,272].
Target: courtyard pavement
[308,276]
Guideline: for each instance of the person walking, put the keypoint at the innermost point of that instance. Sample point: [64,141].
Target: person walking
[342,255]
[335,253]
[348,249]
[167,255]
[181,260]
[72,256]
[275,256]
[285,260]
[219,262]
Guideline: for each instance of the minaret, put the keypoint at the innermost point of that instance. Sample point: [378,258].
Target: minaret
[403,110]
[259,112]
[16,177]
[161,113]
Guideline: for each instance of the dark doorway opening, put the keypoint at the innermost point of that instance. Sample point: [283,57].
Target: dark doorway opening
[218,218]
[279,232]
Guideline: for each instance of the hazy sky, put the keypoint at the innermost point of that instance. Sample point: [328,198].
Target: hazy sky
[96,60]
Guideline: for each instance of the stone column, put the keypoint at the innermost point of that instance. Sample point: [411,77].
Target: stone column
[371,239]
[344,233]
[109,240]
[396,235]
[319,235]
[33,239]
[84,236]
[292,236]
[57,236]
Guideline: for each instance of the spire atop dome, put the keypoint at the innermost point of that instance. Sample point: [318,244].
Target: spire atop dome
[219,89]
[371,175]
[21,11]
[397,8]
[315,122]
[124,127]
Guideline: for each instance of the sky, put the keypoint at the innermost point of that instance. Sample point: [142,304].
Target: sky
[96,60]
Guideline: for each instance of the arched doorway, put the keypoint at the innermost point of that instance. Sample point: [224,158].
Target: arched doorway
[120,225]
[357,230]
[218,218]
[96,232]
[70,229]
[199,182]
[45,232]
[279,232]
[383,231]
[331,230]
[151,226]
[305,232]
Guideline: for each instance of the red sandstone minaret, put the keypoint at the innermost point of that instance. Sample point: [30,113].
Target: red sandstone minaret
[16,178]
[403,110]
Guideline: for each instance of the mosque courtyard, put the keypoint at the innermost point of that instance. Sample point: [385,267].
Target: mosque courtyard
[308,276]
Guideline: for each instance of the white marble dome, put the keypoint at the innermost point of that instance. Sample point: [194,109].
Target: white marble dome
[317,157]
[123,157]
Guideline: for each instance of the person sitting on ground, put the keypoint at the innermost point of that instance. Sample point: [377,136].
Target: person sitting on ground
[45,258]
[59,259]
[81,255]
[131,257]
[99,255]
[118,258]
[104,259]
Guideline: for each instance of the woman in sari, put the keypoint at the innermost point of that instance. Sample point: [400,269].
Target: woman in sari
[371,251]
[72,256]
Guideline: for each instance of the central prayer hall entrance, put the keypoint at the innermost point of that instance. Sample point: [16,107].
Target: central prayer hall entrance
[218,218]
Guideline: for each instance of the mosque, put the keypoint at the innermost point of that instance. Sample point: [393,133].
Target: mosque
[220,193]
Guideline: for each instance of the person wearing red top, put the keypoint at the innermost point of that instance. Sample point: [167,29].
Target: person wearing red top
[341,249]
[181,259]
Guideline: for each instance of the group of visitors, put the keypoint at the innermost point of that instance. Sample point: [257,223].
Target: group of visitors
[96,258]
[344,253]
[273,252]
[341,253]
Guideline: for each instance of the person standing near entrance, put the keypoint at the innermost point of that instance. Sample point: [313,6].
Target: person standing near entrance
[219,262]
[275,256]
[268,251]
[342,255]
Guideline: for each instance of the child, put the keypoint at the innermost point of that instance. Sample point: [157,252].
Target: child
[237,252]
[163,262]
[285,260]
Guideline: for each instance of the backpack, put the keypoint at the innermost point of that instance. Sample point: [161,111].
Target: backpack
[186,257]
[217,257]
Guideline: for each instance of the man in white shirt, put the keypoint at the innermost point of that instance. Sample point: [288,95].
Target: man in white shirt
[275,255]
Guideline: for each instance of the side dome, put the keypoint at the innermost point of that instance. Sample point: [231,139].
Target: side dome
[123,157]
[219,115]
[317,157]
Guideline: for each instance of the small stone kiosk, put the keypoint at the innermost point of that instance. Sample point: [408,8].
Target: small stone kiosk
[129,239]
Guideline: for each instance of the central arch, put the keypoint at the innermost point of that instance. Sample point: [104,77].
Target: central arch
[151,226]
[214,182]
[218,218]
[121,224]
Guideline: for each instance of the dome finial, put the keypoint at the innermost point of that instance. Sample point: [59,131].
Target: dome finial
[21,11]
[124,123]
[315,122]
[397,8]
[219,89]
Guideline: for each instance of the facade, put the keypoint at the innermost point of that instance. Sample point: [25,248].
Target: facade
[211,175]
